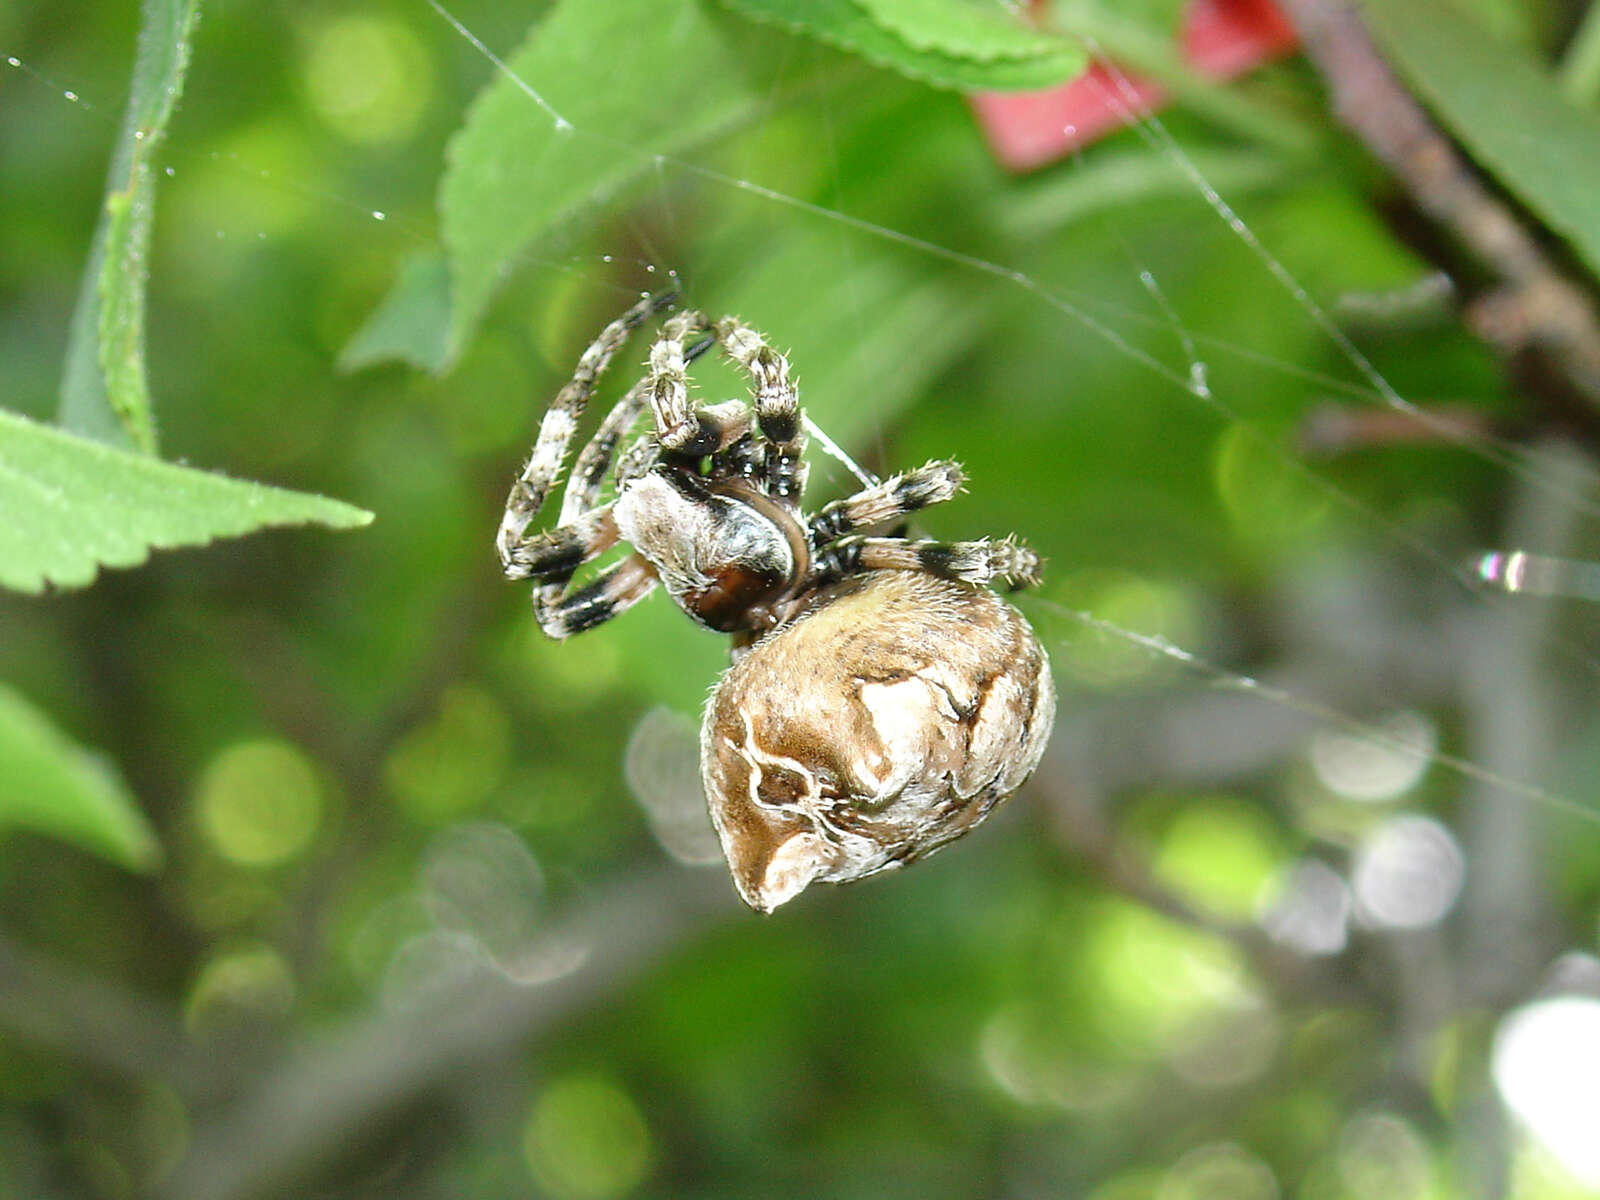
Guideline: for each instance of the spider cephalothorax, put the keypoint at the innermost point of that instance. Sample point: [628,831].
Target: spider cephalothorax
[882,699]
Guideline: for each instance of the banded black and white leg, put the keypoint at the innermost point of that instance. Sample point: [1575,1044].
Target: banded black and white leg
[679,427]
[520,556]
[895,497]
[616,589]
[981,562]
[777,406]
[595,461]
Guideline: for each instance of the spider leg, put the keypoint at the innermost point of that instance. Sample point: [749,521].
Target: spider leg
[560,422]
[894,497]
[682,428]
[980,562]
[595,459]
[618,587]
[679,427]
[777,403]
[554,554]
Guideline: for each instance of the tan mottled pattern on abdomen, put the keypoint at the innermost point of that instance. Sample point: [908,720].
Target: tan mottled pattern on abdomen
[886,721]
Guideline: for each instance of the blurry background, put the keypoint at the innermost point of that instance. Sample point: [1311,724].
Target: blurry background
[434,913]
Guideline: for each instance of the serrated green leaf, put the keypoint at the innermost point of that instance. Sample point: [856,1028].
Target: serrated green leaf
[1141,40]
[73,505]
[411,323]
[980,32]
[673,76]
[51,785]
[1505,109]
[849,26]
[104,393]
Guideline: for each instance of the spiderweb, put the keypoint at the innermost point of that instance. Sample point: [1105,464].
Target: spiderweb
[1124,311]
[1293,620]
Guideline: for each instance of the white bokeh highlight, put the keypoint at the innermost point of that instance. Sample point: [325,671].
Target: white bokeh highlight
[1408,874]
[1547,1067]
[1308,908]
[1373,770]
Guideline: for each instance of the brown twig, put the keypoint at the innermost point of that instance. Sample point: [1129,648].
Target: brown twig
[1531,305]
[322,1093]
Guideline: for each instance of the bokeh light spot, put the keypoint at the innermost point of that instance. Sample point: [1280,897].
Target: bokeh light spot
[1408,874]
[215,210]
[242,982]
[587,1140]
[1222,852]
[1382,1155]
[1547,1067]
[1023,1050]
[662,766]
[1149,608]
[434,970]
[1223,1171]
[480,880]
[1361,768]
[1268,498]
[367,77]
[260,803]
[1155,979]
[1307,907]
[448,765]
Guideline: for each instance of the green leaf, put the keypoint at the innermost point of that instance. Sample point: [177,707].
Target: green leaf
[890,41]
[1139,39]
[105,394]
[1505,109]
[981,32]
[74,505]
[411,323]
[525,163]
[51,785]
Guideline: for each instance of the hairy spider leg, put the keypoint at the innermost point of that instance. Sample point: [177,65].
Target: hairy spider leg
[552,555]
[587,529]
[980,562]
[777,404]
[907,492]
[678,425]
[595,459]
[616,589]
[556,429]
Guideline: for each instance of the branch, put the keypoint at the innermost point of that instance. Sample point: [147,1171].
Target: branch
[331,1088]
[90,1019]
[1533,305]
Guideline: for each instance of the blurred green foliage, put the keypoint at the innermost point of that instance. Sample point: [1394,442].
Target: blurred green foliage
[411,935]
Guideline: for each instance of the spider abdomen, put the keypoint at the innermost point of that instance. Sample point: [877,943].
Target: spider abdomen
[887,720]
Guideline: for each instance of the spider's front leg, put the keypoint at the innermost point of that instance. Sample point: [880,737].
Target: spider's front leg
[777,403]
[557,427]
[680,427]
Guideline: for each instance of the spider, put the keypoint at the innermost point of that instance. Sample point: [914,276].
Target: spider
[881,700]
